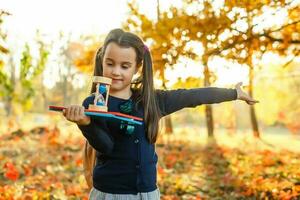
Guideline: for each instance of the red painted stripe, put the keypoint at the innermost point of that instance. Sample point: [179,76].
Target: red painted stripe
[60,108]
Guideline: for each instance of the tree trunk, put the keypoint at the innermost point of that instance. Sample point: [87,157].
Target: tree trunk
[168,129]
[65,90]
[168,125]
[9,99]
[8,106]
[43,93]
[209,120]
[251,76]
[208,108]
[254,123]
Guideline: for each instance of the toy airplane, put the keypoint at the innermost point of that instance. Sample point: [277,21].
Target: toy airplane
[99,108]
[114,115]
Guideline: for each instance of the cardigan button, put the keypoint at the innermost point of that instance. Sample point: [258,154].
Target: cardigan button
[136,141]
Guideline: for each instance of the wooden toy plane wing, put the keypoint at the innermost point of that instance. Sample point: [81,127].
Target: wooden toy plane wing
[114,115]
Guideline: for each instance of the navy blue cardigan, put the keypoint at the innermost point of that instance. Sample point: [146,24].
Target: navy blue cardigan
[126,164]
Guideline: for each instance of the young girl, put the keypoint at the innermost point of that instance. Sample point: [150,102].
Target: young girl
[125,154]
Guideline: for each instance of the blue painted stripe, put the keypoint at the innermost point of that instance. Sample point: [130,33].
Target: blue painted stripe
[113,116]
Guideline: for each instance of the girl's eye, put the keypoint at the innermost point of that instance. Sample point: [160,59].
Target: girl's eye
[125,67]
[109,64]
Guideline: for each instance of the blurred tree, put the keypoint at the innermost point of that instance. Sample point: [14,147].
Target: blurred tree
[19,88]
[5,87]
[88,46]
[23,88]
[75,59]
[237,30]
[282,97]
[84,50]
[254,33]
[2,34]
[208,24]
[173,33]
[44,54]
[68,51]
[165,39]
[168,127]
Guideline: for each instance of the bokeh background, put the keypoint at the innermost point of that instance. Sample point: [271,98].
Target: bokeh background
[220,151]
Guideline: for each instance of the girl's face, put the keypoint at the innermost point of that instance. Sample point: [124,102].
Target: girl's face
[119,64]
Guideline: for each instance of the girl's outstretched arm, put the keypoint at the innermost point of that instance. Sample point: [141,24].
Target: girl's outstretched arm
[173,100]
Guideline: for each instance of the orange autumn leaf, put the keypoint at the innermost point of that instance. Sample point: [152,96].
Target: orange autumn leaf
[9,165]
[198,197]
[268,161]
[12,175]
[160,170]
[73,190]
[170,160]
[11,171]
[79,161]
[248,192]
[297,188]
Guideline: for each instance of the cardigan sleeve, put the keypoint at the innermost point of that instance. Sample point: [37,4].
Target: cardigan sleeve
[97,132]
[170,101]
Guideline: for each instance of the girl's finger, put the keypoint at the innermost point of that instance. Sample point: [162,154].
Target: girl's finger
[82,111]
[77,113]
[249,102]
[238,84]
[72,113]
[68,112]
[252,102]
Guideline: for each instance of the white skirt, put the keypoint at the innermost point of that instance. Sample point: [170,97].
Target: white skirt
[98,195]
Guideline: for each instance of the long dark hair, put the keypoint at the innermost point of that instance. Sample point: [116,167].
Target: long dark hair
[142,86]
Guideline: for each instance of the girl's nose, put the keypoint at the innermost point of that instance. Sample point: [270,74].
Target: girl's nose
[116,71]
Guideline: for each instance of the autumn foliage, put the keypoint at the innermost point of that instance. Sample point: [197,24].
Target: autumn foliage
[42,164]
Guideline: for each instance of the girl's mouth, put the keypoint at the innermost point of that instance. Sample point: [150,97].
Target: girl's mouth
[115,80]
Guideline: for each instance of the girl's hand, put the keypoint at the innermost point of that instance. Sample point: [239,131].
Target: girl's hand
[76,114]
[244,96]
